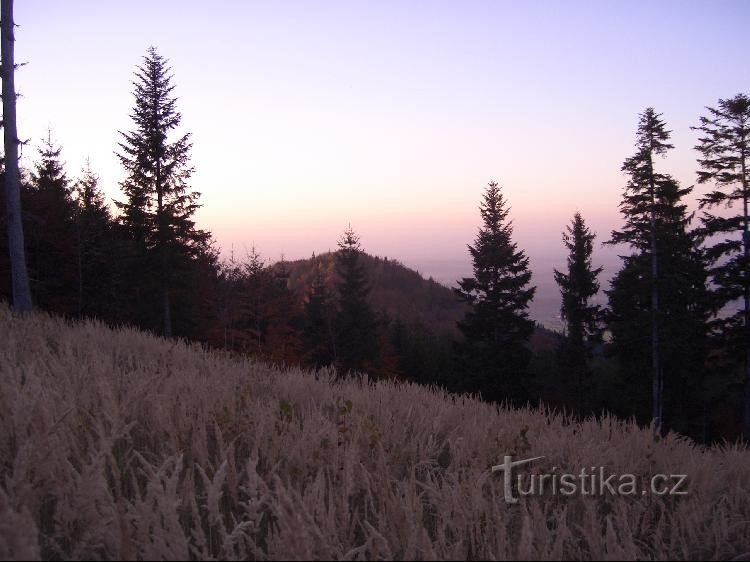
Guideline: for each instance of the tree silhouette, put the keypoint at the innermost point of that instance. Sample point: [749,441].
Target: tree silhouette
[724,146]
[683,313]
[159,208]
[356,326]
[21,291]
[95,247]
[318,331]
[639,207]
[583,319]
[52,241]
[494,354]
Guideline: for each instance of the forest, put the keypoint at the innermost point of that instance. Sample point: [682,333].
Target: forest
[670,349]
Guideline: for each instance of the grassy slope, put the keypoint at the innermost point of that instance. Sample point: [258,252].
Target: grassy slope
[121,445]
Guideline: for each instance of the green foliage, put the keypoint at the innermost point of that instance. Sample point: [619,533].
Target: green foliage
[286,411]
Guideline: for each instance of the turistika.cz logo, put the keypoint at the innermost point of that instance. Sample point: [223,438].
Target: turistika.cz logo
[594,481]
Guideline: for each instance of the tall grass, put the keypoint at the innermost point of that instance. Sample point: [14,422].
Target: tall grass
[119,445]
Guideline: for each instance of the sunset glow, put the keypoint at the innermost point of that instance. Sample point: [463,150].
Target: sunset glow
[389,116]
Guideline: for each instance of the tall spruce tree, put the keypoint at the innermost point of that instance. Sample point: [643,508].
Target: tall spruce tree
[356,325]
[159,207]
[724,147]
[660,290]
[494,353]
[583,319]
[639,207]
[20,288]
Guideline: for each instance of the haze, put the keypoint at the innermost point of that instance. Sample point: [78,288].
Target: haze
[391,116]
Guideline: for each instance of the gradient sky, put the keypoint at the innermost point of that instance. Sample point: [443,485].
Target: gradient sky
[391,116]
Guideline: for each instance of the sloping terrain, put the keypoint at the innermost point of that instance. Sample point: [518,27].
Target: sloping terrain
[119,445]
[400,292]
[395,289]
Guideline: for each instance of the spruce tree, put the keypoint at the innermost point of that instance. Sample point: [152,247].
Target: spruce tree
[724,147]
[583,319]
[230,278]
[257,280]
[95,247]
[318,334]
[494,354]
[158,212]
[52,240]
[639,209]
[660,291]
[356,325]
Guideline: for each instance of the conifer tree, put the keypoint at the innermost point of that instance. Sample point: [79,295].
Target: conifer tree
[260,314]
[639,207]
[20,288]
[95,247]
[254,300]
[159,207]
[583,319]
[230,279]
[52,240]
[724,147]
[494,354]
[318,329]
[356,326]
[660,290]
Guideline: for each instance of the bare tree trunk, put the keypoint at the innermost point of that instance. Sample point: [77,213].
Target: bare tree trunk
[79,251]
[746,243]
[163,257]
[658,382]
[19,274]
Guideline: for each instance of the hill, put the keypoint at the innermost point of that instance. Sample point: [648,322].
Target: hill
[117,444]
[401,293]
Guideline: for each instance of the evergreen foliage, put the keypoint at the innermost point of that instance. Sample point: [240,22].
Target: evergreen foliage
[578,286]
[319,324]
[159,207]
[356,325]
[661,290]
[494,354]
[724,148]
[51,238]
[96,245]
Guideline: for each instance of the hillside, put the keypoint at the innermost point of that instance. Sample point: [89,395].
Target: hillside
[119,445]
[401,293]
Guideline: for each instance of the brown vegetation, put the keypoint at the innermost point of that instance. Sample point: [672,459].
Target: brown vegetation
[116,444]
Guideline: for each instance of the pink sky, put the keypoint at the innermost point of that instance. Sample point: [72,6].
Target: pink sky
[391,116]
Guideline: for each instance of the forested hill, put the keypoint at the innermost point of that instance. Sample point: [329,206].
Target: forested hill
[400,292]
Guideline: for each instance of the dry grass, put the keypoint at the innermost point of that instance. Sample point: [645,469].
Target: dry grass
[118,445]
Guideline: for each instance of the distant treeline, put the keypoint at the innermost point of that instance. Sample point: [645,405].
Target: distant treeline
[672,346]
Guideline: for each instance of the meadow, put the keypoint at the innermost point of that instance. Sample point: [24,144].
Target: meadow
[115,444]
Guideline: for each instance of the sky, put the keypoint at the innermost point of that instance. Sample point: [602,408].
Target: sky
[391,116]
